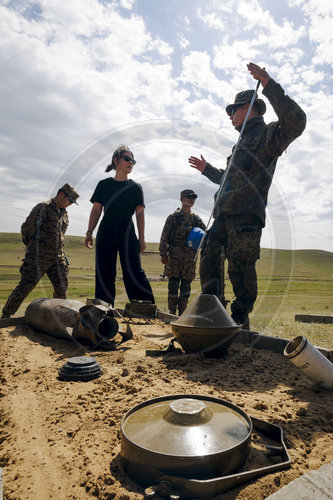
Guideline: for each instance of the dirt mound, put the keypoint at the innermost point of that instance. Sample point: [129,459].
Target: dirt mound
[61,440]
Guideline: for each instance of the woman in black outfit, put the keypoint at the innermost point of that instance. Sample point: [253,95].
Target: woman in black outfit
[120,197]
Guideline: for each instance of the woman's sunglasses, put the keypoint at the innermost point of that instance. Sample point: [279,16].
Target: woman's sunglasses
[128,159]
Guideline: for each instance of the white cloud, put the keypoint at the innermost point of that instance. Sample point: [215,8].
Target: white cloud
[204,111]
[212,21]
[127,4]
[302,170]
[319,20]
[198,72]
[162,48]
[312,77]
[63,84]
[234,56]
[183,42]
[186,22]
[222,6]
[291,57]
[74,71]
[273,35]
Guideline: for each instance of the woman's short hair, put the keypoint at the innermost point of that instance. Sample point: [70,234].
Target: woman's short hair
[116,155]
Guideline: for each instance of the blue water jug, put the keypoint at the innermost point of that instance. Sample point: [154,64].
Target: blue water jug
[195,237]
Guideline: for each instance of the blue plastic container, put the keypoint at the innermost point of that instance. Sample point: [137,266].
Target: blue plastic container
[195,237]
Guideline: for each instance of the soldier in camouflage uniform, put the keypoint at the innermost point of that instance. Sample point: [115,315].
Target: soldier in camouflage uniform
[176,255]
[43,234]
[240,209]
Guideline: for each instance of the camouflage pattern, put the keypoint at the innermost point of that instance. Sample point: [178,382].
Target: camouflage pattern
[178,301]
[240,210]
[70,192]
[45,227]
[181,267]
[250,175]
[240,236]
[43,234]
[181,263]
[177,229]
[184,295]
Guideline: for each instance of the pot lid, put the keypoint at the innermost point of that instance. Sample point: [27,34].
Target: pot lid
[186,425]
[205,311]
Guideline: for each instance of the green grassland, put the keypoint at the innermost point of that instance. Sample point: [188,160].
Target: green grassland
[290,282]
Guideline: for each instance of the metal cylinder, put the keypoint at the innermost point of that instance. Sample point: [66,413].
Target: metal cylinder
[65,318]
[313,363]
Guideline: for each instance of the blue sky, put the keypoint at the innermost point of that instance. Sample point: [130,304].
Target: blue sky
[81,77]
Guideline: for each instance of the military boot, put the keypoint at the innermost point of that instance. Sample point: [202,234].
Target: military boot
[182,305]
[172,304]
[241,318]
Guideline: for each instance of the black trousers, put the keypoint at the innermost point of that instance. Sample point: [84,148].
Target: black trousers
[135,280]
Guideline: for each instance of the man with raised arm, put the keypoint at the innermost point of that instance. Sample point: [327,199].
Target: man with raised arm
[240,209]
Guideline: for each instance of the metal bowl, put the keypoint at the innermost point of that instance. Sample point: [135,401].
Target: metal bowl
[212,341]
[185,435]
[205,327]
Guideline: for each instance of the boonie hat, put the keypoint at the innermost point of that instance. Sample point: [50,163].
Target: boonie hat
[188,192]
[244,97]
[70,192]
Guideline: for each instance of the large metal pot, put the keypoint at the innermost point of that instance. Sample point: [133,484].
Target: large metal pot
[187,446]
[187,435]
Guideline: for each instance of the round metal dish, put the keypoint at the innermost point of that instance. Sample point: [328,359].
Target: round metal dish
[187,435]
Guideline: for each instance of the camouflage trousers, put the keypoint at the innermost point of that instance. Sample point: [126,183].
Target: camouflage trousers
[240,236]
[31,273]
[179,291]
[181,272]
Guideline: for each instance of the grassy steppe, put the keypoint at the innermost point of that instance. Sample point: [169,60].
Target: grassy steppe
[290,283]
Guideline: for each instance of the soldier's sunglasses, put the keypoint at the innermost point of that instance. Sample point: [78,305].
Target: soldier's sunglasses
[128,159]
[234,109]
[191,196]
[71,201]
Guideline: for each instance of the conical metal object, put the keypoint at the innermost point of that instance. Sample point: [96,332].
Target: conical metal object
[205,326]
[206,311]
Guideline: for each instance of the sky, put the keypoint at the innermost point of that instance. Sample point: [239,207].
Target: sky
[79,78]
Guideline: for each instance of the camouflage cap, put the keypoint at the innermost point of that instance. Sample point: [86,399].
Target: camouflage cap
[244,97]
[188,192]
[70,192]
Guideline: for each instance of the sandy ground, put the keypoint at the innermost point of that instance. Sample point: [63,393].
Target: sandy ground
[61,440]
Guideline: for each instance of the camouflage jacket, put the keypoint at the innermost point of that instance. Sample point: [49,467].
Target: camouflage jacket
[250,175]
[45,227]
[177,229]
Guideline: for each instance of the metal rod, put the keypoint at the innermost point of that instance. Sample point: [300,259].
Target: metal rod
[219,192]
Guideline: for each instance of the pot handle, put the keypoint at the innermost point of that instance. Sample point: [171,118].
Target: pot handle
[175,487]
